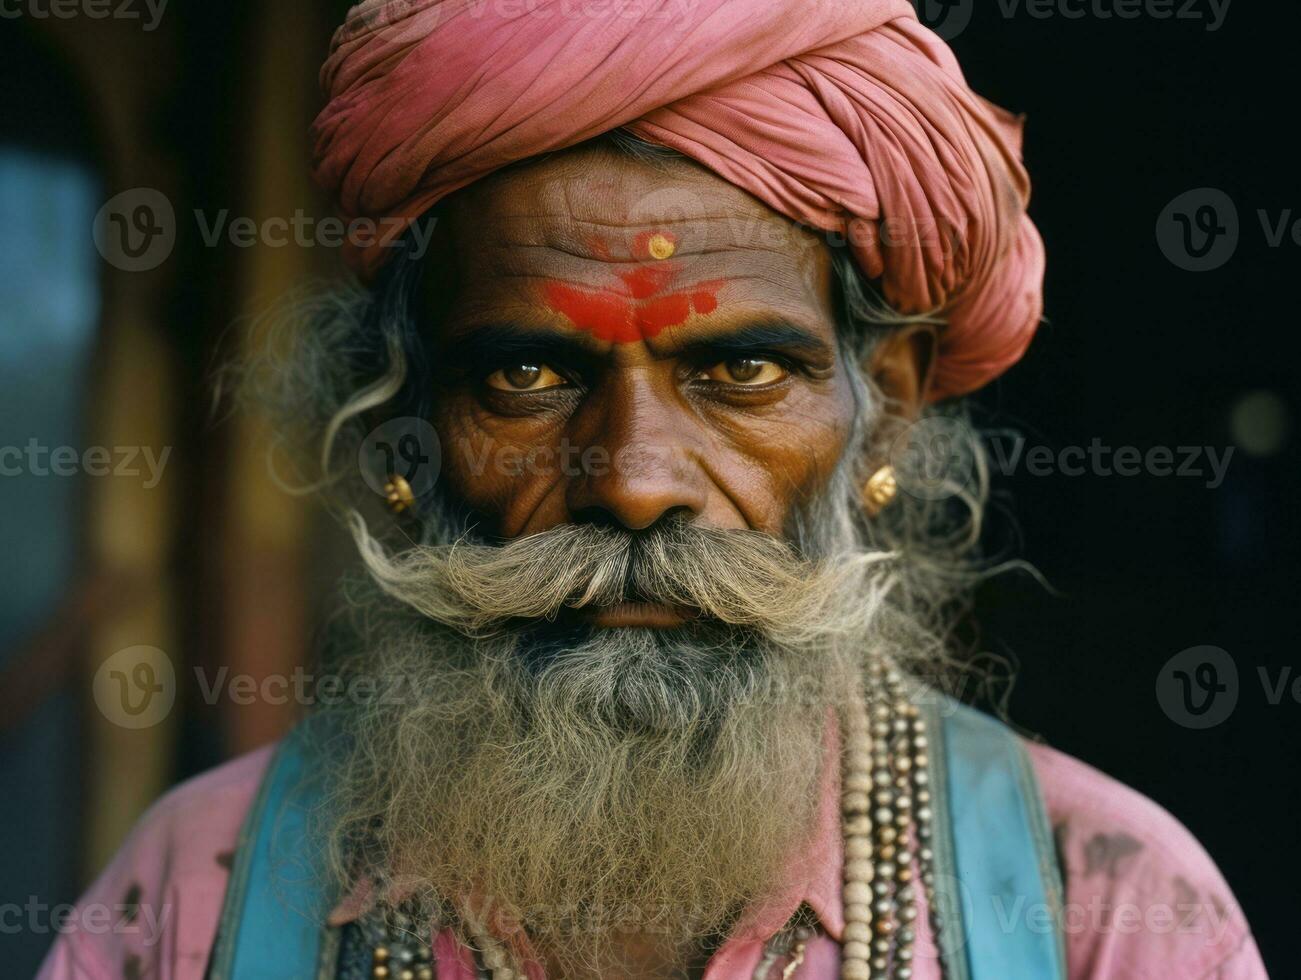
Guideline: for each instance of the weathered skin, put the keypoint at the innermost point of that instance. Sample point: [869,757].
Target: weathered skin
[637,395]
[624,340]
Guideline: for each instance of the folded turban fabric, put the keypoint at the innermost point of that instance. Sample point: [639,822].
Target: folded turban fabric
[847,115]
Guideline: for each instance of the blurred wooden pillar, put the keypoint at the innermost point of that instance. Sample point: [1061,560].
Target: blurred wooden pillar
[132,534]
[131,528]
[265,598]
[255,620]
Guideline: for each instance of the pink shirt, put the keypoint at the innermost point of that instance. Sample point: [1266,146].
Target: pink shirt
[1143,899]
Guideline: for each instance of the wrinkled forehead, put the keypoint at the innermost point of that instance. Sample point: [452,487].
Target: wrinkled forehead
[597,205]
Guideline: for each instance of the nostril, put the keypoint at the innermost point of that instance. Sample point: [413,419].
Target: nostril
[680,514]
[635,497]
[598,516]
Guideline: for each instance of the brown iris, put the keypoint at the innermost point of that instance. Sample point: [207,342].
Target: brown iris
[751,371]
[525,377]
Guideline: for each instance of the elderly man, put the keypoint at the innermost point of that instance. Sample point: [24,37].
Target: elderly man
[655,627]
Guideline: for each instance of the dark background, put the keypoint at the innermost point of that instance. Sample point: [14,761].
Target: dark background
[1124,115]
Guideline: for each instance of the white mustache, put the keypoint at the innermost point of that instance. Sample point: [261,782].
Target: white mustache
[737,577]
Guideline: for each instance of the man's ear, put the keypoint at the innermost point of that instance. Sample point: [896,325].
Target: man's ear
[902,365]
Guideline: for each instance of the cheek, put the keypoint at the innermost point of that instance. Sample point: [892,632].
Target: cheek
[759,465]
[501,467]
[770,463]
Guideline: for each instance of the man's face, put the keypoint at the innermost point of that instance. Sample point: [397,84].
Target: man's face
[624,341]
[638,384]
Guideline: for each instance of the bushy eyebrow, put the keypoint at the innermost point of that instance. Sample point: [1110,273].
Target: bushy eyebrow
[491,344]
[757,338]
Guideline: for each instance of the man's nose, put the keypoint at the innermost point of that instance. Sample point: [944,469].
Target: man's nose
[647,468]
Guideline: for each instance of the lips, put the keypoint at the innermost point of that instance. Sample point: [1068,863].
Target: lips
[655,615]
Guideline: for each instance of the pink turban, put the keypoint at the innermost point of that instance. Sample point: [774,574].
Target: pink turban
[847,115]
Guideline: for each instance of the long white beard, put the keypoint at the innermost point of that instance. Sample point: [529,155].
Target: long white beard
[654,781]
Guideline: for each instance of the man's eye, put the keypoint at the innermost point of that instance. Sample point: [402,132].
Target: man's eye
[752,371]
[525,377]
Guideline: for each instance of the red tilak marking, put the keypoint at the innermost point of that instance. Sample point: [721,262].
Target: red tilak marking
[704,302]
[639,307]
[641,243]
[634,311]
[645,281]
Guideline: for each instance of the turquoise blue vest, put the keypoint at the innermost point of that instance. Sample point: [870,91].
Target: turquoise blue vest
[998,888]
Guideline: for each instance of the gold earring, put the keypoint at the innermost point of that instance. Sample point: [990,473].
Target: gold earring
[399,495]
[882,487]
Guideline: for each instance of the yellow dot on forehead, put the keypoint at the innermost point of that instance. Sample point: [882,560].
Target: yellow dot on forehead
[661,247]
